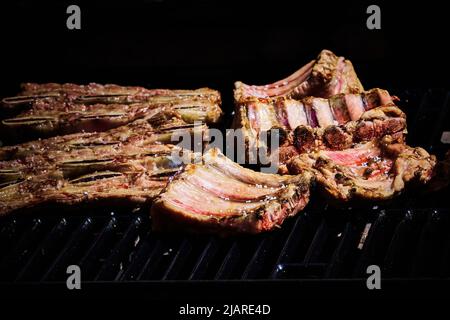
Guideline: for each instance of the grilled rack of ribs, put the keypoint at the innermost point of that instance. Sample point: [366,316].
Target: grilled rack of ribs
[257,116]
[287,113]
[338,132]
[131,163]
[324,77]
[158,128]
[119,176]
[218,195]
[373,124]
[97,93]
[50,109]
[361,157]
[373,170]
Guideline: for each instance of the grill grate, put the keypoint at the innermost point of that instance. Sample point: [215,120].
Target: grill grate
[317,244]
[408,237]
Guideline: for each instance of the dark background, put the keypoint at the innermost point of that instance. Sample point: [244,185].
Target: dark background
[188,44]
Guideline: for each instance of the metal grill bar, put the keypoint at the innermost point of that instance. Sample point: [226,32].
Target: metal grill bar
[47,247]
[10,234]
[401,249]
[144,248]
[431,245]
[376,244]
[229,262]
[258,259]
[113,266]
[159,259]
[205,259]
[64,257]
[18,256]
[345,252]
[403,243]
[178,261]
[300,237]
[91,260]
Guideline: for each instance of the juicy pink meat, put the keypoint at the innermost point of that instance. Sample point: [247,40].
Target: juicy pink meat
[340,78]
[323,112]
[355,106]
[295,113]
[217,195]
[215,182]
[352,156]
[311,115]
[252,113]
[281,87]
[360,159]
[194,199]
[299,74]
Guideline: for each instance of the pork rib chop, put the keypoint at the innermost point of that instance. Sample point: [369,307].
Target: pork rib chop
[220,196]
